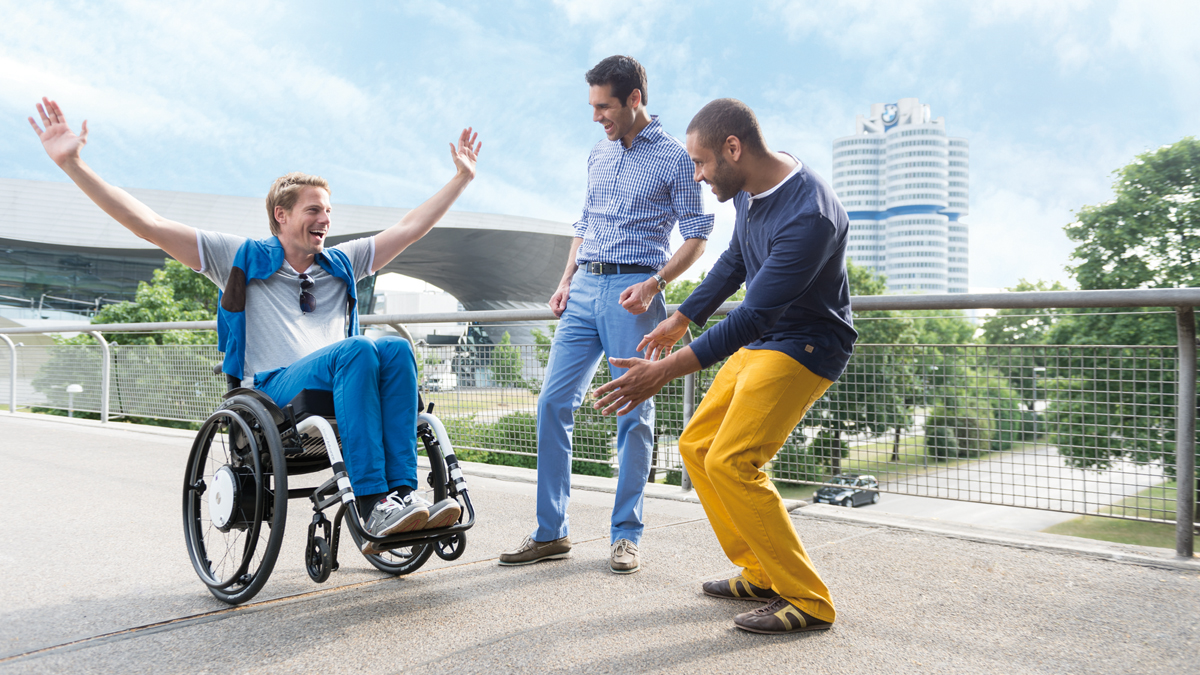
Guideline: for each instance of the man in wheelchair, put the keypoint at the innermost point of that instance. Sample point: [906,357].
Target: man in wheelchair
[288,319]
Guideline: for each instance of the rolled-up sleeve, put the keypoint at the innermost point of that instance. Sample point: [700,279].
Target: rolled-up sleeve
[581,225]
[688,203]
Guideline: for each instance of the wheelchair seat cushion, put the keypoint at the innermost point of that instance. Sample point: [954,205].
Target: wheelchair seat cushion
[311,402]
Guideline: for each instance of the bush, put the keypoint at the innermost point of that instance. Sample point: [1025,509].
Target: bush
[969,417]
[940,441]
[517,432]
[801,461]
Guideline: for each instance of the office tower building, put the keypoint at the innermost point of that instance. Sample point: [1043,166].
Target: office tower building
[904,184]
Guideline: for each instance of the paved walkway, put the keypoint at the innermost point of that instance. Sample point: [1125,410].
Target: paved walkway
[96,579]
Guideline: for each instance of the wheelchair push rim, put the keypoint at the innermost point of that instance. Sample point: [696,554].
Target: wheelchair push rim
[233,546]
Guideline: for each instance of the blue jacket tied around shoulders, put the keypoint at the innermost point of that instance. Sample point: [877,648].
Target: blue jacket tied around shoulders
[259,259]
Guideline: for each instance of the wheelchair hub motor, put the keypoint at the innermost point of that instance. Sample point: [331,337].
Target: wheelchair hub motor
[231,487]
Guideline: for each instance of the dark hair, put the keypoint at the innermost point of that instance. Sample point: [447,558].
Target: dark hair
[727,117]
[623,74]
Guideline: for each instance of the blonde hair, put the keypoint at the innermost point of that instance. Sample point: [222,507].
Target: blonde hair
[286,190]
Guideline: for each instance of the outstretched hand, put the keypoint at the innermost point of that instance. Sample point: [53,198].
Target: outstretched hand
[642,380]
[60,142]
[466,153]
[659,342]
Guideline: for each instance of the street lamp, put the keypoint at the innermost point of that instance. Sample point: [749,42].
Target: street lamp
[1036,371]
[72,389]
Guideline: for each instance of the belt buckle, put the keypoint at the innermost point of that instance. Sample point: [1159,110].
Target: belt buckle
[595,268]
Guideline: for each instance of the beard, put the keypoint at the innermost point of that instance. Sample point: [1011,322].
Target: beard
[725,182]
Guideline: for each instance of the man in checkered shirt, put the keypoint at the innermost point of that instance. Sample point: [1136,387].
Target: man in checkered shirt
[639,186]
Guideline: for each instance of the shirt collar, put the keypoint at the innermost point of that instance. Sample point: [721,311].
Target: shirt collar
[768,193]
[651,133]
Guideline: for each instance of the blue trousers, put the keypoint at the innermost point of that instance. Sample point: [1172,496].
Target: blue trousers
[593,322]
[374,385]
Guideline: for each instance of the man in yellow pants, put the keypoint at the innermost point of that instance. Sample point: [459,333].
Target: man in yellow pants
[787,343]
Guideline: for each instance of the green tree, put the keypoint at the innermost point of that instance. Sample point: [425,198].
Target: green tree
[680,289]
[543,342]
[941,327]
[175,293]
[506,363]
[876,392]
[1114,405]
[1024,328]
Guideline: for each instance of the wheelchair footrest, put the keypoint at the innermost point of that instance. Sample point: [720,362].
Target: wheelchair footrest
[417,536]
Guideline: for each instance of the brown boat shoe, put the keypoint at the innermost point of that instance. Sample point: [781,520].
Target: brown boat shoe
[778,617]
[738,588]
[531,551]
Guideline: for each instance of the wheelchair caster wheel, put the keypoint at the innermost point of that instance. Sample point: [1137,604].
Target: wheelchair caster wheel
[450,548]
[318,561]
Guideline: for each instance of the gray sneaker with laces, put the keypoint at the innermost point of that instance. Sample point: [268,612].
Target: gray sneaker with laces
[442,514]
[394,514]
[624,558]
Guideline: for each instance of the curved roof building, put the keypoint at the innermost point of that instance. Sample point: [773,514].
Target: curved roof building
[57,249]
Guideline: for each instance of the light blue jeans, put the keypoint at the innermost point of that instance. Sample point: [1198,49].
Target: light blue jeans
[374,385]
[593,322]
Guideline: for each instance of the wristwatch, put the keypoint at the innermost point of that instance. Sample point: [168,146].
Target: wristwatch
[662,283]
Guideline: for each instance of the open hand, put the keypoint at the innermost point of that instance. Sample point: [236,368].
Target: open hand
[642,380]
[659,342]
[59,141]
[466,153]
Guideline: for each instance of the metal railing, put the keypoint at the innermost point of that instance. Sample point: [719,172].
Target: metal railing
[1076,429]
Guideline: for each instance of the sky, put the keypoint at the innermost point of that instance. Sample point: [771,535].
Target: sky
[222,97]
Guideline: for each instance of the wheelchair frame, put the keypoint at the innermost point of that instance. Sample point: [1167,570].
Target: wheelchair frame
[236,482]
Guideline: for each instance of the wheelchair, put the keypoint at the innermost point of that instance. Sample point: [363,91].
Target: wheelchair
[235,493]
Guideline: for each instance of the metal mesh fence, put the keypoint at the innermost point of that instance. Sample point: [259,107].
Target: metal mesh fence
[170,382]
[45,372]
[1086,430]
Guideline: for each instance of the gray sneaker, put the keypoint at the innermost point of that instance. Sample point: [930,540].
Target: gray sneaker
[442,514]
[391,515]
[531,551]
[624,558]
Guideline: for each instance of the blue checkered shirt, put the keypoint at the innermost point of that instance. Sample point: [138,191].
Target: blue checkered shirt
[635,196]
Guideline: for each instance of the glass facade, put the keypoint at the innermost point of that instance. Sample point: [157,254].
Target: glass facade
[73,281]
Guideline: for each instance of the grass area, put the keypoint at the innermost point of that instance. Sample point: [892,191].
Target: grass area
[464,401]
[797,490]
[910,460]
[1155,502]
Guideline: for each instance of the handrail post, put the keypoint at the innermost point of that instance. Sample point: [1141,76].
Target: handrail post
[1185,434]
[689,404]
[403,331]
[12,375]
[105,373]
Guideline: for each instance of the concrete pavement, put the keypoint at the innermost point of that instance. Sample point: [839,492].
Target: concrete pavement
[96,579]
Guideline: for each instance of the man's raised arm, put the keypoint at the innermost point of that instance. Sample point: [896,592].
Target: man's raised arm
[63,146]
[418,222]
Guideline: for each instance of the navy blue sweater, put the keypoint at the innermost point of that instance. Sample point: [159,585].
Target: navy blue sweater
[789,247]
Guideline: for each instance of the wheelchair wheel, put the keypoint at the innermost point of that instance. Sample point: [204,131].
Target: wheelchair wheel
[234,495]
[450,548]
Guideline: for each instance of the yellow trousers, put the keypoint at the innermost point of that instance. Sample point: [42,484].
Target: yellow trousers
[758,397]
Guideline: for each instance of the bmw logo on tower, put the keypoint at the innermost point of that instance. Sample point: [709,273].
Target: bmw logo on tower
[903,182]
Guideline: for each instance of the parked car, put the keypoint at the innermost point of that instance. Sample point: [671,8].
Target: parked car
[849,490]
[446,382]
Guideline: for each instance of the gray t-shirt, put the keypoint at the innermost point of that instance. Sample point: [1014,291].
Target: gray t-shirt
[277,332]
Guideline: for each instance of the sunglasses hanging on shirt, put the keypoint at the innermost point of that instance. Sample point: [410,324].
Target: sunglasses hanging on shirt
[308,303]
